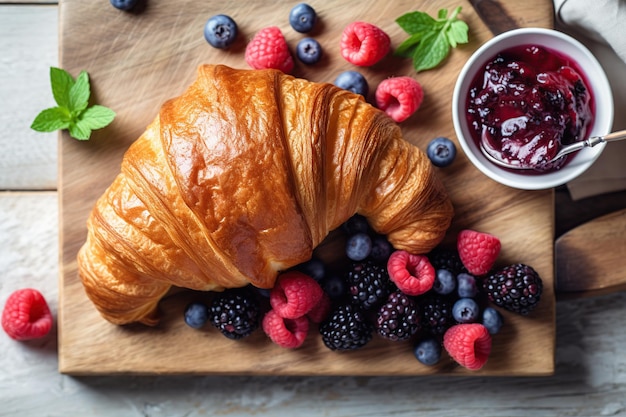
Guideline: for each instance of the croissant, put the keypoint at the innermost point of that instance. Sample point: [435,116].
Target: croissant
[241,177]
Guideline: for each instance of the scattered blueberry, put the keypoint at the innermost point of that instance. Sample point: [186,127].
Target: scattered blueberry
[465,310]
[124,4]
[466,285]
[309,51]
[196,314]
[314,268]
[334,286]
[492,320]
[381,249]
[441,151]
[352,81]
[358,246]
[263,292]
[302,18]
[445,282]
[220,31]
[356,224]
[428,351]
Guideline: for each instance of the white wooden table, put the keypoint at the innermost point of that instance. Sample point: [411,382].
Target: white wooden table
[590,377]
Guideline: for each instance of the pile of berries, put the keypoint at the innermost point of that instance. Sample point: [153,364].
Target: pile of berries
[448,300]
[362,44]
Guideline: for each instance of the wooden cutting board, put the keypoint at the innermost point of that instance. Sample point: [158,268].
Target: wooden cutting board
[138,60]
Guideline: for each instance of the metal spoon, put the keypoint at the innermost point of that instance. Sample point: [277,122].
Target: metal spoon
[565,150]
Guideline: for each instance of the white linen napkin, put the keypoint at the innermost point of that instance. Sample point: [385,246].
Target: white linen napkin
[599,25]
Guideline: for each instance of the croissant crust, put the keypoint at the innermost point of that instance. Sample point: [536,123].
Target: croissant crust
[241,177]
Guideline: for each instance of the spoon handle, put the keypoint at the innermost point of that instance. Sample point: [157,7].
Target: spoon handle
[614,136]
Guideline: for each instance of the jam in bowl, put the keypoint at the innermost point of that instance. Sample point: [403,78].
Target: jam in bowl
[522,96]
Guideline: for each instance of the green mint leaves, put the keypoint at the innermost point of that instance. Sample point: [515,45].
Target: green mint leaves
[430,39]
[72,111]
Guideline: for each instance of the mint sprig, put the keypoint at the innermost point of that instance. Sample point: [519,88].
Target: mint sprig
[72,111]
[430,39]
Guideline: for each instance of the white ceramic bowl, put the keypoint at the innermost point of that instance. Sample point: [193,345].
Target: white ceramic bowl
[600,90]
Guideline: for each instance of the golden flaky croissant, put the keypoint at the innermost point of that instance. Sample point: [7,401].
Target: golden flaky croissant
[243,176]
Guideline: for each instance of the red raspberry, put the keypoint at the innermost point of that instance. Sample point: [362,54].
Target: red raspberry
[26,315]
[478,251]
[295,294]
[287,333]
[268,49]
[364,44]
[468,344]
[399,97]
[413,274]
[320,311]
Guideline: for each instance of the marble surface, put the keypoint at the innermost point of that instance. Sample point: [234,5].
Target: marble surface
[590,377]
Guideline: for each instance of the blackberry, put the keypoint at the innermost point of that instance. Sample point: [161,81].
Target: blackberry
[516,288]
[235,313]
[369,284]
[448,259]
[436,314]
[346,328]
[399,318]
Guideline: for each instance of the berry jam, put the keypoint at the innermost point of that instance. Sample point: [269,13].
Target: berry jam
[526,103]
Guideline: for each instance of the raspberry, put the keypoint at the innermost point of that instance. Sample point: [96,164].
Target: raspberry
[26,315]
[413,274]
[295,294]
[478,251]
[287,333]
[268,49]
[364,44]
[399,97]
[320,311]
[468,344]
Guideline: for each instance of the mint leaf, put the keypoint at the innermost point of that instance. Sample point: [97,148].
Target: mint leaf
[416,22]
[405,49]
[96,117]
[430,39]
[61,82]
[458,31]
[430,52]
[79,93]
[80,130]
[73,112]
[51,119]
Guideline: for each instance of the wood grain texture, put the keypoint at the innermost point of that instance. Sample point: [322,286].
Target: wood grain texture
[151,56]
[28,42]
[591,256]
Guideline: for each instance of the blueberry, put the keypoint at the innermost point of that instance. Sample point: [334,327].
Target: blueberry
[309,51]
[466,285]
[220,31]
[302,18]
[314,268]
[334,286]
[358,246]
[196,314]
[124,4]
[381,249]
[352,81]
[441,151]
[428,351]
[445,282]
[356,224]
[465,310]
[492,320]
